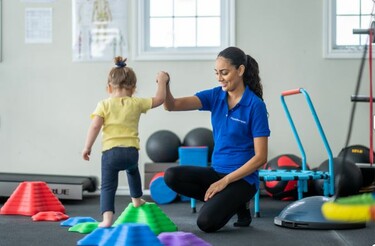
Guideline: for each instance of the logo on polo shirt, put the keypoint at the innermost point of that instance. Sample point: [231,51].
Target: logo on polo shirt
[238,120]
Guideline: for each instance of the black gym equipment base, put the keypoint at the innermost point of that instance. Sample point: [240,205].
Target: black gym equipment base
[306,214]
[64,187]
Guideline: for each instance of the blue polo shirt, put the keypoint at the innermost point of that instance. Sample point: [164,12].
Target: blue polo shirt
[234,130]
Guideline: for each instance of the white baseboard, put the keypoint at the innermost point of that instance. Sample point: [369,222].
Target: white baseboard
[121,191]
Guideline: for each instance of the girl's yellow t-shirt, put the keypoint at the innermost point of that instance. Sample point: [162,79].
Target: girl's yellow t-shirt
[121,119]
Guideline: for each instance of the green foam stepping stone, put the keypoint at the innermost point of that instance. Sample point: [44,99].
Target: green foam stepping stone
[150,214]
[84,228]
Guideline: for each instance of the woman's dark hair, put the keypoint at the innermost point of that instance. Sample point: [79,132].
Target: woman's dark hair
[251,75]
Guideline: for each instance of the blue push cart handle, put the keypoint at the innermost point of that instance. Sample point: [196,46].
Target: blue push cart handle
[320,129]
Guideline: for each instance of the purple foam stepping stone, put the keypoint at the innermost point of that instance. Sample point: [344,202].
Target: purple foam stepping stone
[180,238]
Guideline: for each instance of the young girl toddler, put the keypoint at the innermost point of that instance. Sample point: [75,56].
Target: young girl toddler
[118,117]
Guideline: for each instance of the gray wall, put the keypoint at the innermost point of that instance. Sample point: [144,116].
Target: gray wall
[46,99]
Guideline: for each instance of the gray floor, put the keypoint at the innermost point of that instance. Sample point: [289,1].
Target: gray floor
[21,230]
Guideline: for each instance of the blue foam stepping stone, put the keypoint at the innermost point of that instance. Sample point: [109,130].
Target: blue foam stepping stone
[72,221]
[128,234]
[98,237]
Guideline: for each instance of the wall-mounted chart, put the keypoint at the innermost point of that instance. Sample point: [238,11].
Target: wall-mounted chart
[99,30]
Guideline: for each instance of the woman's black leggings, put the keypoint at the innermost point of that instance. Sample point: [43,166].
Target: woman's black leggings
[193,181]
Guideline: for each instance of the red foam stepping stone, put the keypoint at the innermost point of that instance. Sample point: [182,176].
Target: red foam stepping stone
[29,198]
[49,216]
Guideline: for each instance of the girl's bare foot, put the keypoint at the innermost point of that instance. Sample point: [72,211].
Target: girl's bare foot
[137,202]
[105,224]
[107,219]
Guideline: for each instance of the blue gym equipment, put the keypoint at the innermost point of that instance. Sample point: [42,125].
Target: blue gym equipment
[304,175]
[305,213]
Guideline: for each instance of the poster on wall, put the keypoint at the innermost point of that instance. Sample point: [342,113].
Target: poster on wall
[38,25]
[38,1]
[99,30]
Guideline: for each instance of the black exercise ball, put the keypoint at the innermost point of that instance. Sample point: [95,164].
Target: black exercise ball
[347,176]
[162,146]
[360,154]
[200,137]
